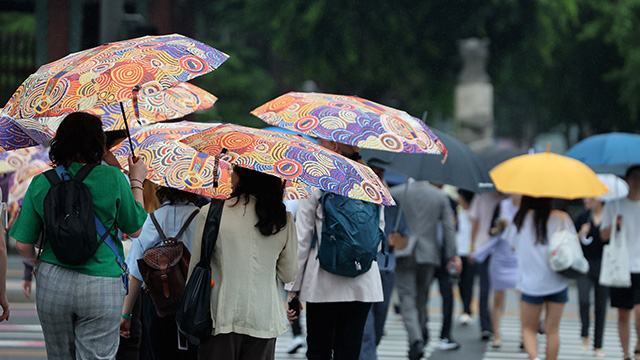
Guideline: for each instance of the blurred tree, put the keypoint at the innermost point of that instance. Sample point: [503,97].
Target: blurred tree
[549,70]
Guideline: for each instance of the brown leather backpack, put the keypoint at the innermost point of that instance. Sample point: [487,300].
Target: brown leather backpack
[164,269]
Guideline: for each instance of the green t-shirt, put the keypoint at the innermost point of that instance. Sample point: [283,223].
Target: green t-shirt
[112,201]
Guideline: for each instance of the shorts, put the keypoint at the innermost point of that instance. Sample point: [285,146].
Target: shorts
[626,298]
[559,297]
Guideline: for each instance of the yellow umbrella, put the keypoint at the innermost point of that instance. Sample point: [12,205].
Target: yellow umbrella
[547,175]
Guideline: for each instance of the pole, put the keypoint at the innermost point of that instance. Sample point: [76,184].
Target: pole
[126,125]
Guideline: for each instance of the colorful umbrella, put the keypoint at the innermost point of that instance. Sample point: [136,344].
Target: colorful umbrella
[20,133]
[109,74]
[27,164]
[292,158]
[173,164]
[154,104]
[350,120]
[547,175]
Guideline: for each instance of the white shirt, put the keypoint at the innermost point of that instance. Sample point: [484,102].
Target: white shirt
[482,208]
[535,277]
[463,235]
[630,211]
[171,218]
[314,283]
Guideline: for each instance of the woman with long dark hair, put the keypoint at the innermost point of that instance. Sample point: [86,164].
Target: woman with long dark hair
[529,234]
[79,306]
[256,244]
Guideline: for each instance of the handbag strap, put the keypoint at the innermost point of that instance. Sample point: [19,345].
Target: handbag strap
[210,233]
[182,229]
[617,236]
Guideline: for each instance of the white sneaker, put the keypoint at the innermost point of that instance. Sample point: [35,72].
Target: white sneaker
[446,344]
[296,343]
[465,319]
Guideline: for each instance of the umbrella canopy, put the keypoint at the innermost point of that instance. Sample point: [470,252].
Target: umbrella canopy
[292,158]
[153,104]
[28,163]
[11,161]
[350,120]
[20,133]
[110,73]
[496,156]
[463,169]
[547,175]
[173,164]
[618,188]
[608,153]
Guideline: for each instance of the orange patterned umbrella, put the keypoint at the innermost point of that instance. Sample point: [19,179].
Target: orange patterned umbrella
[109,73]
[154,104]
[173,164]
[292,158]
[350,120]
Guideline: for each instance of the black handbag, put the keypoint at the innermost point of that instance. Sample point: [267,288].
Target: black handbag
[193,316]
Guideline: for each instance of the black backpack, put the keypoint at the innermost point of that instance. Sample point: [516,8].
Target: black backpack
[69,218]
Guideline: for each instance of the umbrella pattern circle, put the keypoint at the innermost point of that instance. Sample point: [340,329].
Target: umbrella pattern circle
[108,73]
[173,164]
[292,158]
[350,120]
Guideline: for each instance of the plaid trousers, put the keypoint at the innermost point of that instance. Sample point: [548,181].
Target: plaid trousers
[79,314]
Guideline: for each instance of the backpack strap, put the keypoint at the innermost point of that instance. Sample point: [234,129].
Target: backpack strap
[158,228]
[102,231]
[182,229]
[210,233]
[83,172]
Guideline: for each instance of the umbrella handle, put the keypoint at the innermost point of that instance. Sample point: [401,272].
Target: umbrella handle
[126,125]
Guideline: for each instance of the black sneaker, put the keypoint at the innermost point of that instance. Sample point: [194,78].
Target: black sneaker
[416,351]
[486,335]
[448,344]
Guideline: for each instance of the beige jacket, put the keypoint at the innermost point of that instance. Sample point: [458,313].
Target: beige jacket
[317,285]
[246,297]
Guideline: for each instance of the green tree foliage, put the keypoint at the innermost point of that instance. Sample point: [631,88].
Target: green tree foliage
[553,63]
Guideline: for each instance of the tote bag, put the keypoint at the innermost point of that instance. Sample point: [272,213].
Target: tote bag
[614,270]
[565,254]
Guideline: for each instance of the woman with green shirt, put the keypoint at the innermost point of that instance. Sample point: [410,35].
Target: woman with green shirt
[79,306]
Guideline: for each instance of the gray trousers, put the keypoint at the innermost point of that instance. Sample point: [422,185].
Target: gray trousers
[412,283]
[79,314]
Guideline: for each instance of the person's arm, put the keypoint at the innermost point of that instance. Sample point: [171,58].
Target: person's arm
[287,264]
[127,307]
[305,225]
[137,174]
[4,303]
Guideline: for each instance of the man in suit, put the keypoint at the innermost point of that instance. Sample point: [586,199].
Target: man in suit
[424,206]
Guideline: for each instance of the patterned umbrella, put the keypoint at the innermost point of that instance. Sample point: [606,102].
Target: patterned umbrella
[153,104]
[26,163]
[174,164]
[292,158]
[109,73]
[20,133]
[350,120]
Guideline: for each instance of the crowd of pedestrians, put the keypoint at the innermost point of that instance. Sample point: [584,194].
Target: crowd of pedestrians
[502,240]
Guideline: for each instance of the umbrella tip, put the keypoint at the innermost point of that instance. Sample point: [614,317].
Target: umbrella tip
[549,146]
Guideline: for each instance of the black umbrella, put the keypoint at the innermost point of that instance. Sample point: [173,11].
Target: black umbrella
[463,168]
[496,156]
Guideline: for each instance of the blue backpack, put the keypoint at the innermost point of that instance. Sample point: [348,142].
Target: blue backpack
[350,235]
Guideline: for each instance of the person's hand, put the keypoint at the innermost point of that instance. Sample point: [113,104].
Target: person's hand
[137,169]
[398,241]
[125,328]
[291,313]
[584,230]
[457,263]
[4,303]
[26,288]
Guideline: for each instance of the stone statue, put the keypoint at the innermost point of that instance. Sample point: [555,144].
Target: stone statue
[474,96]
